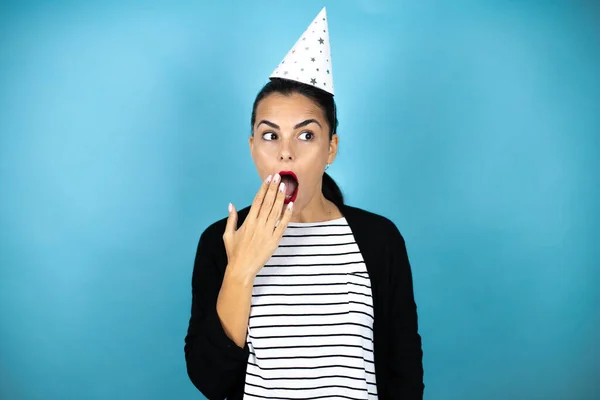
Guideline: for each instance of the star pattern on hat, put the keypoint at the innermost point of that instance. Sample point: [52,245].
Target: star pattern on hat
[312,50]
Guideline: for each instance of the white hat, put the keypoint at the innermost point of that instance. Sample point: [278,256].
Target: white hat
[309,61]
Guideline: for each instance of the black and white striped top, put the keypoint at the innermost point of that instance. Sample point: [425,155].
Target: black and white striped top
[310,332]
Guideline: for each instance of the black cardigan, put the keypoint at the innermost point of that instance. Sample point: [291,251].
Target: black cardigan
[217,366]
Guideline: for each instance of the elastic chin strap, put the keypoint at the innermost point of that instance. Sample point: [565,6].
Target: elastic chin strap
[334,117]
[334,128]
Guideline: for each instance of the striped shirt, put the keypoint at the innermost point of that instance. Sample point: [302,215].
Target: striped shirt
[310,332]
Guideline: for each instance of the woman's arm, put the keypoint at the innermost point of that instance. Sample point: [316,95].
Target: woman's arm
[233,304]
[216,364]
[406,362]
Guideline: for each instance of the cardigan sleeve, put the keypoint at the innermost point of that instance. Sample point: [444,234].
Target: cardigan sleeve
[405,367]
[215,364]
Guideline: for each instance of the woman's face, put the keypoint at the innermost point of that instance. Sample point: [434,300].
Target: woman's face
[292,134]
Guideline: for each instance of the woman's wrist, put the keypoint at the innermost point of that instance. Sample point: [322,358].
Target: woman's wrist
[238,276]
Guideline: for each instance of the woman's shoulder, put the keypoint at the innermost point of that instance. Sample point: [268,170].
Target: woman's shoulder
[360,220]
[378,238]
[364,219]
[216,228]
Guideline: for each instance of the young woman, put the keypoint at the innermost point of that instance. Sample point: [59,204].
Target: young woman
[301,296]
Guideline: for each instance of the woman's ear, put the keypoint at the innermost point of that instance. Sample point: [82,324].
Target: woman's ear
[333,147]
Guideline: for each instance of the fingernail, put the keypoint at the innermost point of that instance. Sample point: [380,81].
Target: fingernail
[282,187]
[230,207]
[268,180]
[290,205]
[276,178]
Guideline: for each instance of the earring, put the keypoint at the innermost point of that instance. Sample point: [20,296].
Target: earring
[326,167]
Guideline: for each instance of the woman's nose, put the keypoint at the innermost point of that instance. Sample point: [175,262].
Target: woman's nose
[286,152]
[285,155]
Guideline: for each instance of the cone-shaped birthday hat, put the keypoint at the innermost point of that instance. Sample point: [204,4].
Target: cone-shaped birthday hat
[309,61]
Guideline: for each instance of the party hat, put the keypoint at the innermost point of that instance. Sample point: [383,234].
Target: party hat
[309,61]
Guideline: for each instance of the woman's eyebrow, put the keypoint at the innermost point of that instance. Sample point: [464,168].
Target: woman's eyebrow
[300,125]
[272,125]
[308,121]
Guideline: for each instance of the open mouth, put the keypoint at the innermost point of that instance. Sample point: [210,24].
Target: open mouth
[291,185]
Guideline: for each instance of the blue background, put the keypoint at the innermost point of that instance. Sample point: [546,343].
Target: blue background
[474,126]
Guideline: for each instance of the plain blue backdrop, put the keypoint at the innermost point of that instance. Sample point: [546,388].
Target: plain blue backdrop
[474,126]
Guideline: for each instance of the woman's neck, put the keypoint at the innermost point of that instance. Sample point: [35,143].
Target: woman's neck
[318,210]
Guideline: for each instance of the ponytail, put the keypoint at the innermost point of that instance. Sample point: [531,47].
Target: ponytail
[331,190]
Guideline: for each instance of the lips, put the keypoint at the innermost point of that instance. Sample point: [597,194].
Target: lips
[291,184]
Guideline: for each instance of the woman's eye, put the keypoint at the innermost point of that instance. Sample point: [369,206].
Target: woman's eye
[269,136]
[310,134]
